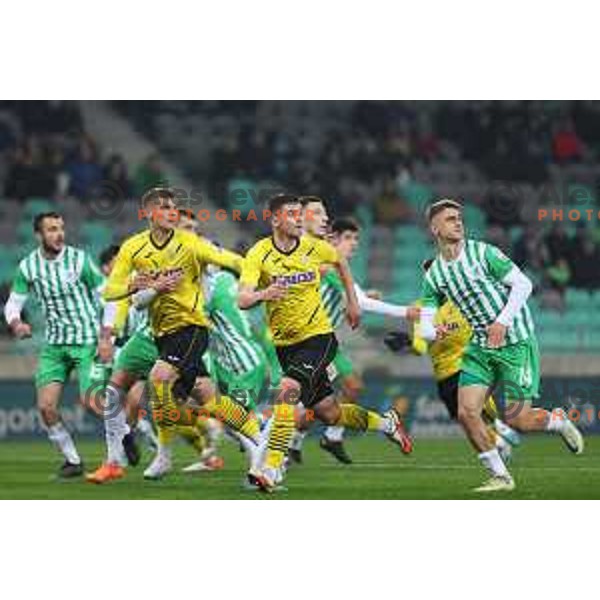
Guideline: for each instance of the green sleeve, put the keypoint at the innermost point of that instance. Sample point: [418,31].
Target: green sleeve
[91,274]
[498,264]
[224,299]
[20,284]
[429,294]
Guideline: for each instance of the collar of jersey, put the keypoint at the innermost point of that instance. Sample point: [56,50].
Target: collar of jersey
[161,246]
[57,257]
[283,251]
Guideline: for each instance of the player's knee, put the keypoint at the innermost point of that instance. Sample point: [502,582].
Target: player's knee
[466,414]
[352,388]
[328,411]
[290,390]
[162,373]
[203,390]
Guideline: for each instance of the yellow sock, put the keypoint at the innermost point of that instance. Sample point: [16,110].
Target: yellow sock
[490,410]
[166,435]
[280,435]
[164,410]
[357,417]
[234,416]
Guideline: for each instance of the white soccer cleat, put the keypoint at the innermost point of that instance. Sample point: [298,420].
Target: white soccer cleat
[497,484]
[572,437]
[159,467]
[210,463]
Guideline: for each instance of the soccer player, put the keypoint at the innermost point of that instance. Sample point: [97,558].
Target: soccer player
[283,270]
[491,293]
[66,283]
[178,321]
[345,237]
[446,352]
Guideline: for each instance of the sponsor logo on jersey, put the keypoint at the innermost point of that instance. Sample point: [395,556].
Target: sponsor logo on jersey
[295,278]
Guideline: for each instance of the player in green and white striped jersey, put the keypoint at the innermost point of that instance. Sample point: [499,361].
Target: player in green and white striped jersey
[66,283]
[491,293]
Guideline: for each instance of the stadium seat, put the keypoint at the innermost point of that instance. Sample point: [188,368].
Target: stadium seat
[35,206]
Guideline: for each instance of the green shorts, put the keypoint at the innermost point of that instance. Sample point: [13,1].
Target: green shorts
[137,356]
[341,366]
[515,367]
[56,362]
[244,389]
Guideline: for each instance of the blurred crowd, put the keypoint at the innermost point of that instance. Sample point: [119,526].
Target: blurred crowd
[45,152]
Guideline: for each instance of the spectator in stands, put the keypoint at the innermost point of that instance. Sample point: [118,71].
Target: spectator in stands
[149,174]
[529,250]
[566,144]
[585,264]
[85,172]
[558,243]
[558,276]
[390,207]
[115,172]
[31,174]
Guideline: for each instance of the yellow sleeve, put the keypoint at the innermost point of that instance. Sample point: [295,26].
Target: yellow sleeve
[121,315]
[117,286]
[209,253]
[327,253]
[251,268]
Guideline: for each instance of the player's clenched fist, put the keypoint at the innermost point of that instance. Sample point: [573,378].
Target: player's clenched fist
[353,315]
[275,291]
[21,330]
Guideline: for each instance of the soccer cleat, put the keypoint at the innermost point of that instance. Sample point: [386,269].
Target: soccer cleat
[497,484]
[504,449]
[132,452]
[105,473]
[70,470]
[399,435]
[267,481]
[295,456]
[211,463]
[158,468]
[572,437]
[336,449]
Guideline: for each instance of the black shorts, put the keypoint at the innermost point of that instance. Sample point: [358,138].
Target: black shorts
[448,393]
[307,363]
[184,349]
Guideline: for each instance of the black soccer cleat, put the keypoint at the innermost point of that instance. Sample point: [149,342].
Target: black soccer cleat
[295,456]
[132,452]
[336,449]
[70,470]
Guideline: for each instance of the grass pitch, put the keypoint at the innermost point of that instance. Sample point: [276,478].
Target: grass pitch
[438,469]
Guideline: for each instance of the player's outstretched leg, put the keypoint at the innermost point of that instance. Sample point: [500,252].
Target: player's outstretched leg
[47,400]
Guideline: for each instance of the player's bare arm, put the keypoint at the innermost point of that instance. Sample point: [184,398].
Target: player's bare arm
[352,307]
[249,296]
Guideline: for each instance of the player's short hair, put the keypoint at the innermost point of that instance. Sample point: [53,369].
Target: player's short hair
[439,206]
[276,202]
[305,200]
[108,254]
[345,224]
[426,264]
[155,193]
[38,220]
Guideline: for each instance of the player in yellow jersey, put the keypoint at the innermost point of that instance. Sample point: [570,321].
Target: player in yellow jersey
[178,322]
[446,354]
[284,271]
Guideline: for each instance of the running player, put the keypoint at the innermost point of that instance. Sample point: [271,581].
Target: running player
[446,352]
[66,283]
[345,237]
[491,293]
[286,270]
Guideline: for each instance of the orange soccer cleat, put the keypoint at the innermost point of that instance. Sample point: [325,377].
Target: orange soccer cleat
[107,472]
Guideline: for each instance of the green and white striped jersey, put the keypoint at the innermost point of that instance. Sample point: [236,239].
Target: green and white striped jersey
[333,297]
[473,282]
[232,347]
[67,290]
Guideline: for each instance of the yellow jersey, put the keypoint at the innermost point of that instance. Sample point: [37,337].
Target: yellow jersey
[181,251]
[300,314]
[446,354]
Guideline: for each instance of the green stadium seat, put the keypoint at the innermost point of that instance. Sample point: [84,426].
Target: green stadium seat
[34,206]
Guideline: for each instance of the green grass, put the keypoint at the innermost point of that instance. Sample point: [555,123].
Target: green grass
[437,469]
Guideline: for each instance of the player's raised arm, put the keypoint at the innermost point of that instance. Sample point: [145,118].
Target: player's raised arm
[431,301]
[207,252]
[14,306]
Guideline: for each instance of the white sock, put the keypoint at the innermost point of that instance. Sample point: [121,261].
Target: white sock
[59,435]
[557,420]
[115,428]
[146,431]
[253,451]
[493,463]
[334,433]
[501,427]
[297,440]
